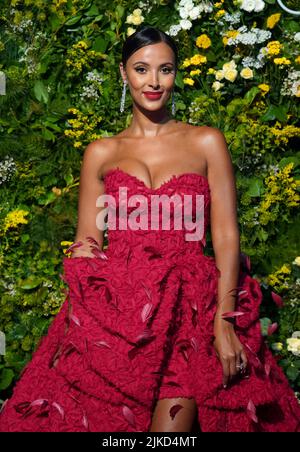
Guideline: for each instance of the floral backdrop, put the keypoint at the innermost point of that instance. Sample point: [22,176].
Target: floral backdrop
[60,89]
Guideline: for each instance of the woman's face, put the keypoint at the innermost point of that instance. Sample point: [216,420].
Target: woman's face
[150,69]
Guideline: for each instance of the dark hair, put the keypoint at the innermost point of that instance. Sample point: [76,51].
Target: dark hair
[145,36]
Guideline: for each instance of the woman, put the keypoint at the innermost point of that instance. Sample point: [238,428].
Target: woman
[148,338]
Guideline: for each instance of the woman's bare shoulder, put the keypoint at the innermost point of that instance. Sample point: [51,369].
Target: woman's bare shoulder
[99,152]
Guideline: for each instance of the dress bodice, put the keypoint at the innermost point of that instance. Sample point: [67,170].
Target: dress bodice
[177,212]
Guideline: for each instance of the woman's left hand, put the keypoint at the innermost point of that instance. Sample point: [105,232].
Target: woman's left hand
[230,352]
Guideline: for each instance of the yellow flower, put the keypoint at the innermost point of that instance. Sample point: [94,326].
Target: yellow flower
[281,61]
[14,218]
[246,73]
[188,81]
[277,346]
[220,13]
[203,41]
[264,87]
[198,59]
[195,72]
[186,63]
[211,70]
[67,244]
[273,20]
[297,59]
[274,47]
[229,34]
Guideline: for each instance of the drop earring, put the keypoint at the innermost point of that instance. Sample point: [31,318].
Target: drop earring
[122,104]
[173,104]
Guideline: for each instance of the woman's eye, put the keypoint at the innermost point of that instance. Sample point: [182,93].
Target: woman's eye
[166,72]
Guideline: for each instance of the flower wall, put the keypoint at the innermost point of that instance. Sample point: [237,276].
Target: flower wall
[60,88]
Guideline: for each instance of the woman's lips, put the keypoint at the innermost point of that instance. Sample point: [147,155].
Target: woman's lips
[153,96]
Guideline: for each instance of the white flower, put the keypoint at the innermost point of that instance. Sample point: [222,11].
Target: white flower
[187,4]
[174,30]
[183,13]
[248,5]
[252,5]
[217,85]
[195,13]
[296,334]
[294,345]
[297,36]
[297,262]
[259,6]
[130,31]
[185,24]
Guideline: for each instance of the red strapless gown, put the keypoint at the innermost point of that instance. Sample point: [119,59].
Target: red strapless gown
[141,329]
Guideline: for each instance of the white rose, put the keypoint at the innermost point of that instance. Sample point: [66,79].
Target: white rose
[137,20]
[185,24]
[246,73]
[230,74]
[189,5]
[259,6]
[297,261]
[217,85]
[294,345]
[195,13]
[130,31]
[219,74]
[183,13]
[137,12]
[248,5]
[129,19]
[297,36]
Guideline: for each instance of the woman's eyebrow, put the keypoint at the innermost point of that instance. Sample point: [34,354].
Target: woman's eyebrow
[147,64]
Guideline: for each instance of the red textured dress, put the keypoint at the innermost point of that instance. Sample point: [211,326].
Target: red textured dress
[137,326]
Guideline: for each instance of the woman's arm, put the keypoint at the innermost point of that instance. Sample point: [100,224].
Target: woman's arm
[226,244]
[90,188]
[224,223]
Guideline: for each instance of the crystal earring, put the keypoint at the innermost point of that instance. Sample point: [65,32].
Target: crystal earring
[173,104]
[122,104]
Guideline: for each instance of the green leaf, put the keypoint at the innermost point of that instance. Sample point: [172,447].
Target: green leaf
[275,112]
[25,238]
[30,283]
[100,45]
[48,135]
[93,11]
[264,323]
[256,187]
[69,178]
[6,378]
[73,20]
[120,11]
[179,80]
[251,94]
[40,91]
[286,160]
[292,372]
